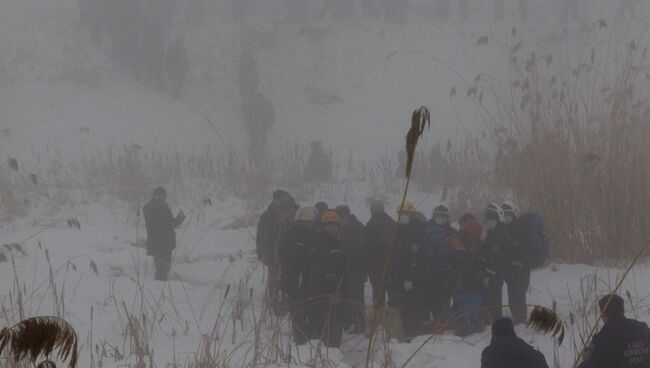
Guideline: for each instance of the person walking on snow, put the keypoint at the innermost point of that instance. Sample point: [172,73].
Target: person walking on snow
[161,232]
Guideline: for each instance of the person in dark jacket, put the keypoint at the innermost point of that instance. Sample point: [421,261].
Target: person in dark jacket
[319,164]
[357,273]
[496,250]
[376,241]
[326,284]
[410,278]
[272,222]
[517,271]
[469,268]
[161,232]
[294,253]
[621,342]
[438,235]
[177,65]
[506,350]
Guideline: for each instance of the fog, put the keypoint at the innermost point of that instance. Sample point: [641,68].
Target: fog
[241,110]
[345,73]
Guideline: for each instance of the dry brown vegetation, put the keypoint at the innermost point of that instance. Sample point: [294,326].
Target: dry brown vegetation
[568,139]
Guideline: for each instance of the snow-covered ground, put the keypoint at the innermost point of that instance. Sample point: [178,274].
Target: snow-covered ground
[54,83]
[55,277]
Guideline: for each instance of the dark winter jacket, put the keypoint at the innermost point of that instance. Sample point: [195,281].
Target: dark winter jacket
[268,233]
[294,252]
[621,343]
[497,250]
[520,255]
[438,244]
[327,269]
[410,273]
[351,242]
[376,241]
[468,265]
[512,352]
[161,225]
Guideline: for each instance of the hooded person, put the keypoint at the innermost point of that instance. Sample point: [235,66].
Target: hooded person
[294,255]
[508,350]
[377,238]
[327,282]
[273,221]
[621,342]
[357,273]
[496,250]
[410,274]
[161,231]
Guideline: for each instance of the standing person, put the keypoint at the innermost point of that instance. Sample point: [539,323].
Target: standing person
[259,117]
[369,9]
[273,221]
[523,10]
[294,254]
[621,342]
[357,273]
[469,267]
[438,236]
[177,65]
[499,10]
[377,238]
[327,281]
[298,10]
[161,232]
[508,350]
[569,11]
[495,249]
[517,271]
[409,274]
[464,10]
[319,165]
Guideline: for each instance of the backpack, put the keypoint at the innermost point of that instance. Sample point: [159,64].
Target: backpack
[531,230]
[438,245]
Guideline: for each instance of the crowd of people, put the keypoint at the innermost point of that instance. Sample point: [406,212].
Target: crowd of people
[441,276]
[438,277]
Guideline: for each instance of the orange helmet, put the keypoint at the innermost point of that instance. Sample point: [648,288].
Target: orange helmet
[330,217]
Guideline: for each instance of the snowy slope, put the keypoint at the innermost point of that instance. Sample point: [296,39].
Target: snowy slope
[55,81]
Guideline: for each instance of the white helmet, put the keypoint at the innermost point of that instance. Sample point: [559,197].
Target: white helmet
[510,208]
[306,214]
[494,208]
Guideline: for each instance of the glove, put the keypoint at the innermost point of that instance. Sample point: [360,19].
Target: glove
[408,285]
